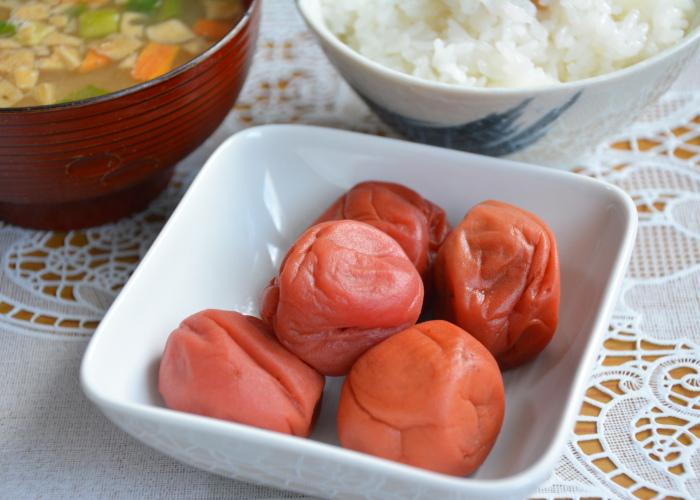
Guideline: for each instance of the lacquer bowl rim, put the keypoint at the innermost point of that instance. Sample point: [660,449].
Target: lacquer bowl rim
[242,24]
[311,12]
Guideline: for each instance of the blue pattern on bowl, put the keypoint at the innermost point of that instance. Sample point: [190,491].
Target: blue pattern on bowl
[497,134]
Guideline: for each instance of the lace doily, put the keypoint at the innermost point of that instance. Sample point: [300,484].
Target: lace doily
[638,432]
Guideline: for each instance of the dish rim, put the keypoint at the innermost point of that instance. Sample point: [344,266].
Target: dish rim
[323,32]
[232,33]
[539,470]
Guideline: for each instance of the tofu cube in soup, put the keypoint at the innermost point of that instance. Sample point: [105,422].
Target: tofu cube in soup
[57,51]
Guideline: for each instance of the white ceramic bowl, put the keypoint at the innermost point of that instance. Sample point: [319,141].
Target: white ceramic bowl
[554,125]
[251,200]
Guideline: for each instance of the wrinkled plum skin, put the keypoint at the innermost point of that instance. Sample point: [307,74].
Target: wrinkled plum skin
[497,276]
[431,396]
[417,224]
[343,287]
[225,365]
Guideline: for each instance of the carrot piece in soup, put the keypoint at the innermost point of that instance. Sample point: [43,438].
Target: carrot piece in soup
[155,60]
[212,30]
[93,60]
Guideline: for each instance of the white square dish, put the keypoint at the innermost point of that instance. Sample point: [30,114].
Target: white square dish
[251,200]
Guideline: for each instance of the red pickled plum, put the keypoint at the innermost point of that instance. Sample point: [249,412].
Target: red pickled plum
[343,287]
[497,276]
[417,224]
[431,396]
[226,365]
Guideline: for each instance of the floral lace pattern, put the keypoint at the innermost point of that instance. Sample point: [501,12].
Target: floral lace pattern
[638,432]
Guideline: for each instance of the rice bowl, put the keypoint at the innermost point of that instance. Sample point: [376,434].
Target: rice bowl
[508,43]
[556,124]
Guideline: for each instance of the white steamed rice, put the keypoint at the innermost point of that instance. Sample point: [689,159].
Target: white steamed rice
[508,43]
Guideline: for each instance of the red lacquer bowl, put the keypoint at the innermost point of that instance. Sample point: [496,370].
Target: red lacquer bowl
[85,163]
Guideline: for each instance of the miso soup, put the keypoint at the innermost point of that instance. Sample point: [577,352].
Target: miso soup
[54,51]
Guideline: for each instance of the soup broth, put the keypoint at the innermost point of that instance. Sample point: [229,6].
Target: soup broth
[54,51]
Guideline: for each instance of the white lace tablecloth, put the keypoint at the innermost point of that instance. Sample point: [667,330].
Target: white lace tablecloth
[639,428]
